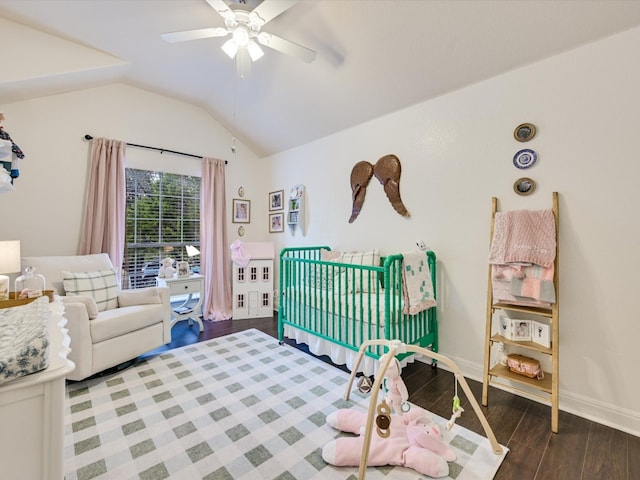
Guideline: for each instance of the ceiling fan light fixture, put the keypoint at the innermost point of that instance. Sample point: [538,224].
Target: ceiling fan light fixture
[241,36]
[244,28]
[230,48]
[255,52]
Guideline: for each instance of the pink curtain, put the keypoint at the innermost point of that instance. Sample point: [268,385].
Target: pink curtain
[104,217]
[215,257]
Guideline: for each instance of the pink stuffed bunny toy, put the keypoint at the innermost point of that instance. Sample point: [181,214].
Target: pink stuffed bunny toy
[414,442]
[397,392]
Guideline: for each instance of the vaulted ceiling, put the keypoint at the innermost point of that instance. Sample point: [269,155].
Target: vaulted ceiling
[373,57]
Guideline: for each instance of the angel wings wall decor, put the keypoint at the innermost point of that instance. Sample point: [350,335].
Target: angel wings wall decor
[387,170]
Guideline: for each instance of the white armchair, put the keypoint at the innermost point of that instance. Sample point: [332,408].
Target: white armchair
[107,333]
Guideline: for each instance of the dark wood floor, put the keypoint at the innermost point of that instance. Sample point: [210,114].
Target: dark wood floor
[581,450]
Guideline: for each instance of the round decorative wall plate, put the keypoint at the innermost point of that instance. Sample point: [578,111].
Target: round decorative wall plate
[524,186]
[240,231]
[241,192]
[525,158]
[524,132]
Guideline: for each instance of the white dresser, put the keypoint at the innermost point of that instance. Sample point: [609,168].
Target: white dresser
[32,412]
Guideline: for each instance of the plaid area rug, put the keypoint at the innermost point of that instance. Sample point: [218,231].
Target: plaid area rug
[236,407]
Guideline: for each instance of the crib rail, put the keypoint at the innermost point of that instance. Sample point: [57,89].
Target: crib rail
[348,304]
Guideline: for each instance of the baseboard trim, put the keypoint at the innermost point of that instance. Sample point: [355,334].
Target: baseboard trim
[622,419]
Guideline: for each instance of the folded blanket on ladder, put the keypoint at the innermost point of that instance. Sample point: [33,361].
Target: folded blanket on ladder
[537,283]
[524,236]
[417,287]
[522,254]
[531,284]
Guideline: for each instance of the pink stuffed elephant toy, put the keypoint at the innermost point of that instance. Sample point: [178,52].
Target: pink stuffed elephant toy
[414,442]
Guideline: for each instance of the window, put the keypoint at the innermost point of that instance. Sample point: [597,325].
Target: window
[254,274]
[265,274]
[240,301]
[265,299]
[162,218]
[241,274]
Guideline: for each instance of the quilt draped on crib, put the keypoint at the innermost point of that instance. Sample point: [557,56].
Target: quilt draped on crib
[417,285]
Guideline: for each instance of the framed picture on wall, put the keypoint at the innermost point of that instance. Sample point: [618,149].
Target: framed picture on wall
[276,200]
[276,222]
[241,212]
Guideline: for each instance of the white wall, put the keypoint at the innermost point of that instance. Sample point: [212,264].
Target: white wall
[45,211]
[456,153]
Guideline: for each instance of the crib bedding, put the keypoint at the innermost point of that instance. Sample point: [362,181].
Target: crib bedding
[336,352]
[350,331]
[369,306]
[334,306]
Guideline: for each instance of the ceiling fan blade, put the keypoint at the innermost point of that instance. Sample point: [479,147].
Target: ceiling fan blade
[271,8]
[222,8]
[194,34]
[287,47]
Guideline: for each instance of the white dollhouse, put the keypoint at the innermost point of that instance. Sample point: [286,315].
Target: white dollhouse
[253,283]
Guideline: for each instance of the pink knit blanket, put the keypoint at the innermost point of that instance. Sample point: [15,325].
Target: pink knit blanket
[527,236]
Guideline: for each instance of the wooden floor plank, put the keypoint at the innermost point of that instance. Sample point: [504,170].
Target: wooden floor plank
[633,454]
[521,463]
[534,429]
[606,455]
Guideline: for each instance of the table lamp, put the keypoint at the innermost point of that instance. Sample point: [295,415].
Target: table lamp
[9,263]
[192,252]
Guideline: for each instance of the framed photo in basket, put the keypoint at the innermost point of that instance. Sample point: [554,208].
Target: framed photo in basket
[520,330]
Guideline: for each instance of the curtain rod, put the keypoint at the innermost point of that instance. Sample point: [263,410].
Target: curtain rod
[161,150]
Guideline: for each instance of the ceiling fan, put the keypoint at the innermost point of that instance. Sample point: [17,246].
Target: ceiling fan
[245,27]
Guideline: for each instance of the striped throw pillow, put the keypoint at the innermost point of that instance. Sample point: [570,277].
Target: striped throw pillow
[101,285]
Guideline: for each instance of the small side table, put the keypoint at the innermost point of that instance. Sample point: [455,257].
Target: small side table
[182,286]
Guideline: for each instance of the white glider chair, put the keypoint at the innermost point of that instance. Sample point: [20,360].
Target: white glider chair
[107,326]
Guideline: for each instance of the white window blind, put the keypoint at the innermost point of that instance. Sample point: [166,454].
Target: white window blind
[162,218]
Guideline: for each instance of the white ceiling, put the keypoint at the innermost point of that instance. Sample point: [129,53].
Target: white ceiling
[374,57]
